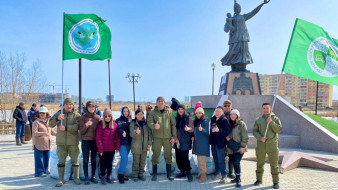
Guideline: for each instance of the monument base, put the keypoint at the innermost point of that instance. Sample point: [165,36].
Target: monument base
[240,83]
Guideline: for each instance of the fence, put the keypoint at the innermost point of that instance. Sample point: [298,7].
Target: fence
[7,129]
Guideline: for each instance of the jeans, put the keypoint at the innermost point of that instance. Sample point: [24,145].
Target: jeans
[41,160]
[236,160]
[87,146]
[124,151]
[182,160]
[20,129]
[106,162]
[219,158]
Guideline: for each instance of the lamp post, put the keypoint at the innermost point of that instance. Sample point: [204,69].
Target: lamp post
[134,79]
[213,74]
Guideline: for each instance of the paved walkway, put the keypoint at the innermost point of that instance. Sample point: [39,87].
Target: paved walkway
[17,172]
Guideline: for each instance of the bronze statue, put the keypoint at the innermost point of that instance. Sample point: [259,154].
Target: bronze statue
[238,55]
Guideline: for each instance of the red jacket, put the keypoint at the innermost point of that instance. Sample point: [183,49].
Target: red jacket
[107,139]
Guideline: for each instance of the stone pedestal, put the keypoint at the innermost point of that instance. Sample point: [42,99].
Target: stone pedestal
[240,83]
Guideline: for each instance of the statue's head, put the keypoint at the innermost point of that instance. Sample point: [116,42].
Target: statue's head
[237,8]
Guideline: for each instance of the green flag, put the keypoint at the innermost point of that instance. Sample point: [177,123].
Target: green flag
[85,36]
[312,53]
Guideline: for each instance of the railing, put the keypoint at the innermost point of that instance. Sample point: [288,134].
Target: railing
[7,129]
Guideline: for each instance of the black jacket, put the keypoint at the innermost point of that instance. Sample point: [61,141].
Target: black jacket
[123,125]
[20,115]
[183,136]
[219,138]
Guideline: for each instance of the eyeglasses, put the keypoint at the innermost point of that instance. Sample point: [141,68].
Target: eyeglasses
[227,105]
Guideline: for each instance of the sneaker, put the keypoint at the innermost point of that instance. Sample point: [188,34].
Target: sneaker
[222,181]
[217,176]
[135,179]
[258,183]
[94,180]
[142,178]
[276,186]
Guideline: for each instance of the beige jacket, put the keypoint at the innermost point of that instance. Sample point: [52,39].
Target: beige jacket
[41,134]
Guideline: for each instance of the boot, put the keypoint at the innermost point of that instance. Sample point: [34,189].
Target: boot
[181,174]
[94,180]
[189,176]
[168,168]
[22,140]
[154,178]
[109,179]
[103,180]
[76,171]
[238,181]
[276,186]
[121,178]
[125,178]
[61,171]
[87,180]
[258,183]
[142,178]
[203,178]
[18,143]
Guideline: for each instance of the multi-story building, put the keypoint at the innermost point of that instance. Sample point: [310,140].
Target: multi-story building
[298,91]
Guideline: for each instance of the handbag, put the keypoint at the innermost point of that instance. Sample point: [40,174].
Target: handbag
[233,145]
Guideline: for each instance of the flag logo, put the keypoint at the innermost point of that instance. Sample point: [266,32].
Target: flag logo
[322,57]
[84,37]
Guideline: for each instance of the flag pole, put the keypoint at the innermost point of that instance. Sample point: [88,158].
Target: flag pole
[63,25]
[109,83]
[316,99]
[80,85]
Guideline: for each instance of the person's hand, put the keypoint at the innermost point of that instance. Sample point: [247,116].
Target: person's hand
[266,1]
[269,120]
[62,128]
[101,154]
[200,128]
[148,147]
[186,128]
[124,134]
[172,140]
[192,138]
[263,139]
[228,138]
[138,131]
[89,123]
[61,117]
[216,129]
[157,126]
[117,151]
[242,150]
[177,141]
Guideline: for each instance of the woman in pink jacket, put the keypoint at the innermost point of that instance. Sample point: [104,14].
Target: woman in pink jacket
[107,141]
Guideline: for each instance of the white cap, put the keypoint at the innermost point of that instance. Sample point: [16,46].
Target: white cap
[235,111]
[43,109]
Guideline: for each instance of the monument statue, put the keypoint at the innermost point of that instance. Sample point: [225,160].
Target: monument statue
[238,55]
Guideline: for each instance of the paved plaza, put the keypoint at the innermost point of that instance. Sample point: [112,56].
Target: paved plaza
[17,172]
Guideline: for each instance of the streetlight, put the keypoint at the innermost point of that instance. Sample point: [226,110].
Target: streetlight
[213,66]
[133,78]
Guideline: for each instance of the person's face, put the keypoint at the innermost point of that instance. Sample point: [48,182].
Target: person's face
[91,109]
[219,112]
[42,115]
[233,116]
[107,118]
[68,107]
[199,115]
[180,111]
[22,106]
[266,109]
[227,108]
[34,107]
[139,116]
[160,104]
[125,112]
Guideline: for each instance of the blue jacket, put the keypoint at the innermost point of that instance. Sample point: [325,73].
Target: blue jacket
[202,138]
[219,138]
[183,136]
[32,115]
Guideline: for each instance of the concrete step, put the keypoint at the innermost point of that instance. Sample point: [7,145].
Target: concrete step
[284,141]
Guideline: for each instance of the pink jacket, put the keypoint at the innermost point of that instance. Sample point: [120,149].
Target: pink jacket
[107,139]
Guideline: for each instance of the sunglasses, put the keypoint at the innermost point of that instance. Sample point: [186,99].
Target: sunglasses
[106,116]
[227,105]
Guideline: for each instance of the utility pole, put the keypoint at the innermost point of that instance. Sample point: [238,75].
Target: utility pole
[134,79]
[213,76]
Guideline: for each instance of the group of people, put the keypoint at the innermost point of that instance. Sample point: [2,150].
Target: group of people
[225,135]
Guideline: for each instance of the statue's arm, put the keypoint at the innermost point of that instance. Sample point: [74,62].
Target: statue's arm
[253,13]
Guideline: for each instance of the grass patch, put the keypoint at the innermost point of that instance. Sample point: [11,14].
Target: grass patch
[327,124]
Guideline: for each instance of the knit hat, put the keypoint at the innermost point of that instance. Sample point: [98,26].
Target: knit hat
[138,111]
[107,112]
[235,111]
[90,103]
[181,106]
[227,102]
[160,98]
[68,100]
[34,105]
[199,110]
[198,104]
[174,104]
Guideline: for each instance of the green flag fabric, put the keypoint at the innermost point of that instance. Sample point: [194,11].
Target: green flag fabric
[312,53]
[85,36]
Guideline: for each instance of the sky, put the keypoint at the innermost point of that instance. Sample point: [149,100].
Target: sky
[171,44]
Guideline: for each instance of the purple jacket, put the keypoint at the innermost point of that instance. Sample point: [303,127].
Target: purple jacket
[107,139]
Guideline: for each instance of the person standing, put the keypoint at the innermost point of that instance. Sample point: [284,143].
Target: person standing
[162,122]
[267,144]
[201,142]
[227,107]
[41,140]
[123,130]
[239,134]
[107,141]
[20,116]
[185,129]
[140,144]
[87,126]
[219,130]
[32,115]
[67,139]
